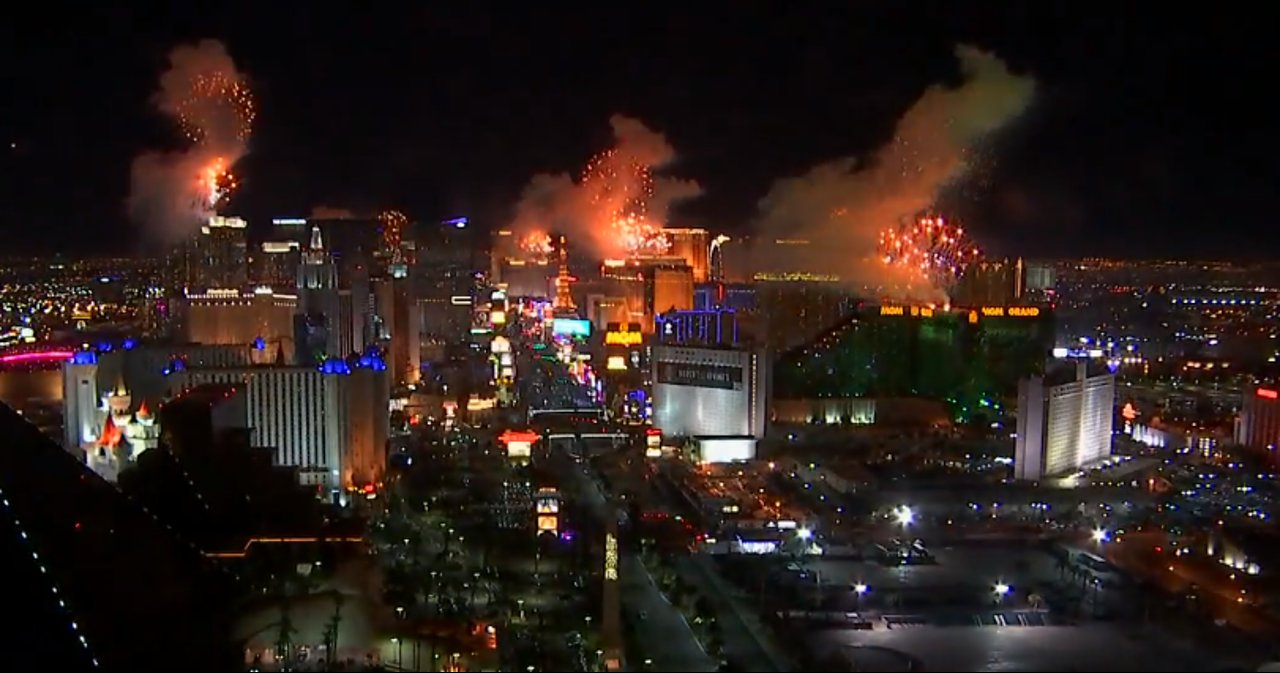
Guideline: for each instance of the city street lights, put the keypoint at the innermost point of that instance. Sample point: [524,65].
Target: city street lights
[1100,535]
[904,516]
[1001,590]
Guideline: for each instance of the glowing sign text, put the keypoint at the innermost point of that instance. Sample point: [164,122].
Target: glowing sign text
[610,558]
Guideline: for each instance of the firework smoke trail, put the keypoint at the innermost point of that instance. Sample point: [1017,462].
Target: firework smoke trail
[174,192]
[842,206]
[618,206]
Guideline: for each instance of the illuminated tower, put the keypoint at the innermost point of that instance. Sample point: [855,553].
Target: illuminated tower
[221,261]
[564,301]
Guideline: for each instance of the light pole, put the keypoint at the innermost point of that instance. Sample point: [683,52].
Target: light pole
[396,641]
[859,590]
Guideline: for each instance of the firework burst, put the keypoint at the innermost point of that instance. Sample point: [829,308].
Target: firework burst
[216,109]
[393,225]
[536,245]
[623,188]
[930,248]
[216,183]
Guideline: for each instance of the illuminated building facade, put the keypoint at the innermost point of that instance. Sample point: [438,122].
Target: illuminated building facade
[222,252]
[103,426]
[1258,426]
[401,322]
[668,288]
[1063,425]
[701,391]
[328,422]
[276,265]
[230,316]
[694,247]
[970,359]
[699,328]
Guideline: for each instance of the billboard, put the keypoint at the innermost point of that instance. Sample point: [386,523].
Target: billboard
[572,327]
[723,377]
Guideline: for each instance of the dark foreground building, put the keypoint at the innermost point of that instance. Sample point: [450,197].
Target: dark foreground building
[94,582]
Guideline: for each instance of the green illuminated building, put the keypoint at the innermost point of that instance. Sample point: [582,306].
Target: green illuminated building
[972,359]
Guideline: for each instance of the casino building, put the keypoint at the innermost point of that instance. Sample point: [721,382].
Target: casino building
[713,396]
[969,359]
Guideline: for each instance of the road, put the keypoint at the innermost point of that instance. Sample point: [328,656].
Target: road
[1223,594]
[745,639]
[668,638]
[677,649]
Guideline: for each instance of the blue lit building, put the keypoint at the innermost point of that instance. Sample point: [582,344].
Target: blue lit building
[714,327]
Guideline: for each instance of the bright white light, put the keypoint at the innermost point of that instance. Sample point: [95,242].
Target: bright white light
[1099,535]
[804,533]
[904,515]
[1001,588]
[859,588]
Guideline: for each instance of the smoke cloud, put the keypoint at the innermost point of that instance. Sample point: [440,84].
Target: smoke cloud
[172,193]
[841,206]
[616,184]
[331,213]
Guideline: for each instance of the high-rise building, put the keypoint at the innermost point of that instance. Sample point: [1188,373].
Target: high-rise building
[1258,426]
[694,247]
[709,392]
[668,288]
[444,278]
[329,422]
[991,283]
[1063,425]
[276,265]
[222,248]
[322,328]
[401,323]
[715,259]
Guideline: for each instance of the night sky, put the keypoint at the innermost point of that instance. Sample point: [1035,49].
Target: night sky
[1150,134]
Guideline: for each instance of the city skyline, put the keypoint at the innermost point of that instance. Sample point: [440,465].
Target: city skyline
[453,114]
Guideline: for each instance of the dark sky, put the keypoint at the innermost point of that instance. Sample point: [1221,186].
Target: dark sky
[1151,133]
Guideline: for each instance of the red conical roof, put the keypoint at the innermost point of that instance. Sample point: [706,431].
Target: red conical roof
[111,434]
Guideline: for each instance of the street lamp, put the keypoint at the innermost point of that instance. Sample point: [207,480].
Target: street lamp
[860,589]
[1001,590]
[804,533]
[904,515]
[1100,535]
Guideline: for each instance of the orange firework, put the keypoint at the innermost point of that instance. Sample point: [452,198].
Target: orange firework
[393,225]
[537,245]
[930,248]
[217,109]
[622,188]
[216,183]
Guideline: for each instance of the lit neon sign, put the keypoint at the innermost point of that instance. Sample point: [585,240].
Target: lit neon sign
[610,558]
[1266,393]
[623,337]
[914,311]
[1012,311]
